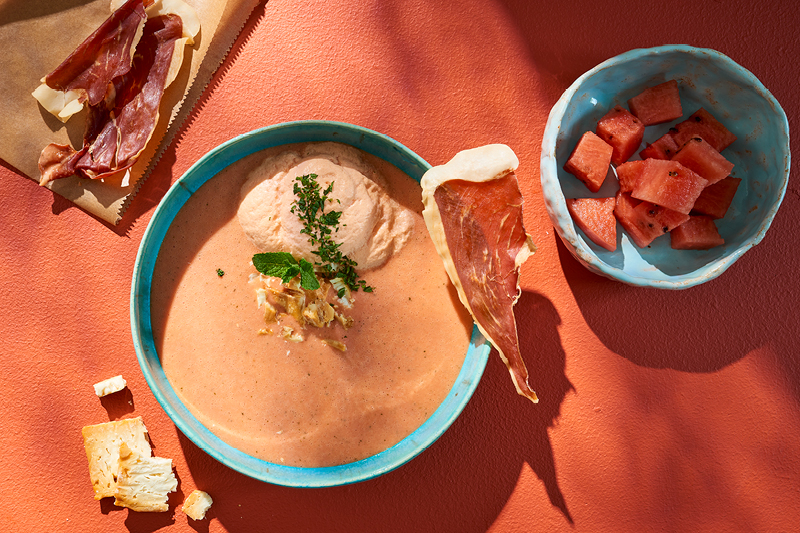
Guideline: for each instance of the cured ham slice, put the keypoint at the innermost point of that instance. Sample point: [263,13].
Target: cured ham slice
[123,89]
[473,210]
[85,75]
[127,126]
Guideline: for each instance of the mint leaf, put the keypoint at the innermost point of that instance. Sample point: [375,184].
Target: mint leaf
[277,264]
[308,280]
[283,265]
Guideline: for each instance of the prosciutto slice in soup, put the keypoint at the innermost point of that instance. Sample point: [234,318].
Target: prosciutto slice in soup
[473,210]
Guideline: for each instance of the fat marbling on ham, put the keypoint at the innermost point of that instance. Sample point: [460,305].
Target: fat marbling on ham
[473,210]
[120,72]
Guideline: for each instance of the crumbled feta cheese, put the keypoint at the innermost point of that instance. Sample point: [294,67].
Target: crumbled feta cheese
[197,504]
[109,386]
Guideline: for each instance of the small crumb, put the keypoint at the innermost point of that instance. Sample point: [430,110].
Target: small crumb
[335,344]
[197,504]
[109,386]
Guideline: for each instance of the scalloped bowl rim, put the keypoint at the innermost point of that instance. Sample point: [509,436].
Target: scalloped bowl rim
[554,195]
[204,169]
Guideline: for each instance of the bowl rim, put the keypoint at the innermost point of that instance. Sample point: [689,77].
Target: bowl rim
[557,210]
[204,169]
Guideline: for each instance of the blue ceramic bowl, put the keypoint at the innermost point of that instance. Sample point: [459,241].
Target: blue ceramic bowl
[708,79]
[208,166]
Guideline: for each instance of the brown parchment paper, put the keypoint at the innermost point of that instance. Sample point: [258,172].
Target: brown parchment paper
[37,35]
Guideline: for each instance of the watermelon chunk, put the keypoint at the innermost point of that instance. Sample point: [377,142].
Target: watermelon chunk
[645,221]
[659,217]
[662,148]
[658,104]
[628,174]
[697,233]
[595,216]
[701,157]
[624,212]
[715,199]
[670,184]
[623,131]
[702,124]
[589,160]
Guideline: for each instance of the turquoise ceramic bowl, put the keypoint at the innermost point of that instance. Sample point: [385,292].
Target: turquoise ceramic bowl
[209,165]
[708,79]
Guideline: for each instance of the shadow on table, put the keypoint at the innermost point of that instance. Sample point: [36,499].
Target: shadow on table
[700,329]
[461,483]
[119,404]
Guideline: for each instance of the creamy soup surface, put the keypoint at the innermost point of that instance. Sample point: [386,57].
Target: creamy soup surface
[306,403]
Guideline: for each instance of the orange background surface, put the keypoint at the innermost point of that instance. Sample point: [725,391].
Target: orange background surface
[660,410]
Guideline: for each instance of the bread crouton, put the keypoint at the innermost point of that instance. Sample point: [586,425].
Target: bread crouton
[102,443]
[110,386]
[197,504]
[144,482]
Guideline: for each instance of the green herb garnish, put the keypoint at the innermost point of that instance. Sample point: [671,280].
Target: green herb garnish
[220,272]
[283,265]
[319,226]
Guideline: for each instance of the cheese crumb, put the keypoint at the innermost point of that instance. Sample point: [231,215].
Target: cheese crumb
[102,443]
[197,504]
[110,386]
[144,482]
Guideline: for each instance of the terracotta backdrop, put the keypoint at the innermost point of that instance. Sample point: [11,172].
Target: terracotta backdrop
[660,411]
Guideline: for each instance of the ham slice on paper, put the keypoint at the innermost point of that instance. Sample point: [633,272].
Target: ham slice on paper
[121,72]
[473,210]
[86,73]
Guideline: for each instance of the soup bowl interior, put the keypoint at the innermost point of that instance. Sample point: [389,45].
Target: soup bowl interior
[707,79]
[208,166]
